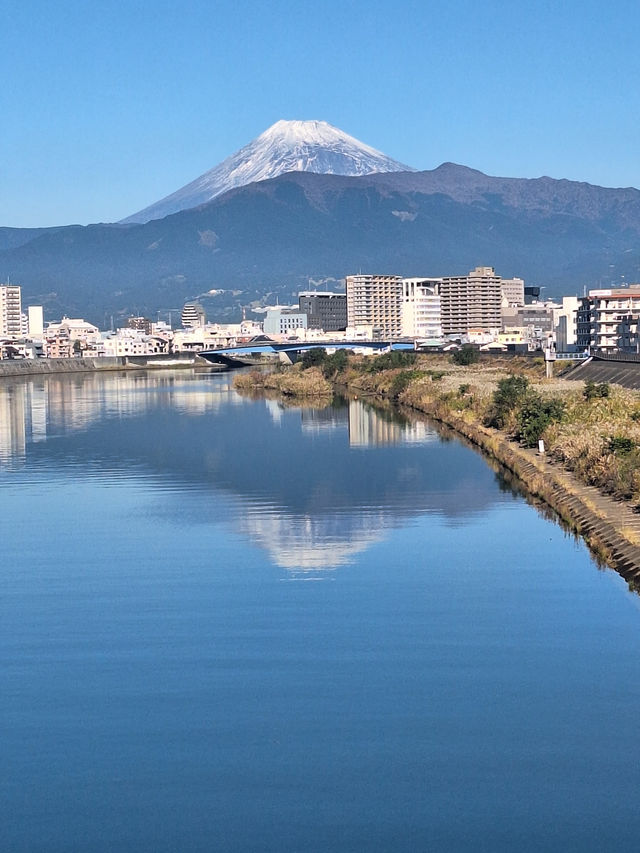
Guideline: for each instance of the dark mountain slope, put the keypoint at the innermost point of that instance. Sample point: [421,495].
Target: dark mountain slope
[276,234]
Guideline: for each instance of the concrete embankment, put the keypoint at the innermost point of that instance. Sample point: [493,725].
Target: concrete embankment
[610,528]
[33,367]
[621,369]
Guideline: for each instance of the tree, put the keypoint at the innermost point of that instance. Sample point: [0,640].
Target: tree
[466,355]
[313,357]
[510,392]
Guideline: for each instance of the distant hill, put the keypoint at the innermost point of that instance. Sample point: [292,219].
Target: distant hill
[275,235]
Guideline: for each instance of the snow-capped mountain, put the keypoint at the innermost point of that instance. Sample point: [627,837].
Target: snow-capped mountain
[287,146]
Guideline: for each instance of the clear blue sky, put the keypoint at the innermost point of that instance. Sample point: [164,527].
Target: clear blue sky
[106,107]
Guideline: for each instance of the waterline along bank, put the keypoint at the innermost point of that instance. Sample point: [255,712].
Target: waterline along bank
[46,366]
[589,473]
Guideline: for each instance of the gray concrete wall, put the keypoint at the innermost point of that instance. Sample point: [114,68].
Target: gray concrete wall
[31,367]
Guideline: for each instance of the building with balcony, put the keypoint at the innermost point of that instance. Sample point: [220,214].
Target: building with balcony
[512,291]
[376,301]
[607,320]
[471,301]
[421,308]
[10,310]
[193,316]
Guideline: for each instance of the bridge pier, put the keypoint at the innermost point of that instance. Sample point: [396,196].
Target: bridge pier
[288,357]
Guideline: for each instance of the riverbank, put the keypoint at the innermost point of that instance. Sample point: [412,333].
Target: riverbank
[590,474]
[42,366]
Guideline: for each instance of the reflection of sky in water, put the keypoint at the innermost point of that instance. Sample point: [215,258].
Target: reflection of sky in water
[294,481]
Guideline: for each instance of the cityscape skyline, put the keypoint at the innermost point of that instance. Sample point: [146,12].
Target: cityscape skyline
[113,107]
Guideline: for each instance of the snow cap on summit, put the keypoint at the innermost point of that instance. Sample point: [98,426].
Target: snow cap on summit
[286,146]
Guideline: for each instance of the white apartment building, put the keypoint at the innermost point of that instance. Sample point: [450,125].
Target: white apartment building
[566,324]
[421,308]
[126,342]
[10,310]
[35,321]
[375,300]
[608,320]
[284,321]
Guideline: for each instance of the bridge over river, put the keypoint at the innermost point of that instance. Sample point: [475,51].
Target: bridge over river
[237,356]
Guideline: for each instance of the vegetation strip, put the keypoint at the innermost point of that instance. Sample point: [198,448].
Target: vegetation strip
[590,474]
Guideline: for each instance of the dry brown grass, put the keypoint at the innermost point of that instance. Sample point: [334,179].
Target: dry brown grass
[290,382]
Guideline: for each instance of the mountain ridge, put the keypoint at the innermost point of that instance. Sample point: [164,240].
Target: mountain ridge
[275,235]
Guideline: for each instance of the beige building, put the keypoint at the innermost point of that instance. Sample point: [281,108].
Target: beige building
[512,291]
[471,301]
[10,310]
[375,300]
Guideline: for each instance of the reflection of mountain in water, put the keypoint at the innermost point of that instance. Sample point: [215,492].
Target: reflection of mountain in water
[293,480]
[312,543]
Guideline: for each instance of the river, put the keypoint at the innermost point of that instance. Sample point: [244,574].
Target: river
[231,625]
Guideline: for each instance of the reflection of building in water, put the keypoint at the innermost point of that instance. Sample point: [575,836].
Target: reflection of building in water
[13,425]
[370,428]
[31,410]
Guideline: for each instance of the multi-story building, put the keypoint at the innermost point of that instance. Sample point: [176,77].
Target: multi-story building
[608,320]
[471,301]
[324,310]
[35,321]
[10,310]
[421,308]
[376,301]
[284,321]
[129,341]
[193,315]
[140,324]
[566,327]
[70,337]
[512,291]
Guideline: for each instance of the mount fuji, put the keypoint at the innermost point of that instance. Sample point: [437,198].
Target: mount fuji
[287,146]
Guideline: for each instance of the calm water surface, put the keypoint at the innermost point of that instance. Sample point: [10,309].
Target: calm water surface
[226,625]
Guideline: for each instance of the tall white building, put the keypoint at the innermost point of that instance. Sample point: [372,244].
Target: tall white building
[421,308]
[36,321]
[376,301]
[566,327]
[10,310]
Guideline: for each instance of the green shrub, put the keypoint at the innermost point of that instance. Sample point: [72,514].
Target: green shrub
[466,355]
[534,416]
[621,444]
[510,392]
[391,360]
[464,388]
[401,381]
[313,358]
[334,363]
[592,391]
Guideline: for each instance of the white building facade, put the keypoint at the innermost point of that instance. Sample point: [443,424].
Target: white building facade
[421,308]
